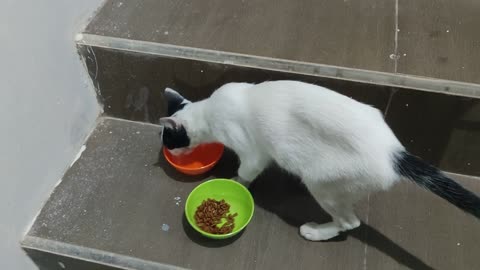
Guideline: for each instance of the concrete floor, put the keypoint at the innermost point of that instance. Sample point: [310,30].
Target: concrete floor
[119,199]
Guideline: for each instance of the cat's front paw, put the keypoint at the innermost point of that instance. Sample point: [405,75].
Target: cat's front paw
[242,181]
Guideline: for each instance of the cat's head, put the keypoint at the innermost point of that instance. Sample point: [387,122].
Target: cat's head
[175,133]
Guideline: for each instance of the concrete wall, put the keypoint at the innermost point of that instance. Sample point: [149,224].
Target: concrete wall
[47,108]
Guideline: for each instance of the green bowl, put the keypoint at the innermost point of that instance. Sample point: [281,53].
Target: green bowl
[234,193]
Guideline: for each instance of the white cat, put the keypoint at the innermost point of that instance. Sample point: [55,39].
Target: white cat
[340,148]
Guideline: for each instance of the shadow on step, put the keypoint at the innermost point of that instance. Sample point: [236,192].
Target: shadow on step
[287,197]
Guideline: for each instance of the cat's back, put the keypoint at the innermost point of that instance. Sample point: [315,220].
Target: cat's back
[313,102]
[292,101]
[312,111]
[231,94]
[229,102]
[277,105]
[321,128]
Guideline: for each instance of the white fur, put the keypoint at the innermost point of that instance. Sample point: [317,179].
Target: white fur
[342,149]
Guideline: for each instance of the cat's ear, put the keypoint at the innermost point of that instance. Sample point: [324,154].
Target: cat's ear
[175,101]
[169,122]
[171,94]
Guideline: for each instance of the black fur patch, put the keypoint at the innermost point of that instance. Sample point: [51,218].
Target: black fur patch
[175,138]
[173,108]
[431,178]
[174,103]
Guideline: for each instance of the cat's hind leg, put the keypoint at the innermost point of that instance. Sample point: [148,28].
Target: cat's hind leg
[340,206]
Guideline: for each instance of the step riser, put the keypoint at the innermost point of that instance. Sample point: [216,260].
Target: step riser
[282,65]
[442,129]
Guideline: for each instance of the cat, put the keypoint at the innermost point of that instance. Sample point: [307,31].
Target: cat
[340,148]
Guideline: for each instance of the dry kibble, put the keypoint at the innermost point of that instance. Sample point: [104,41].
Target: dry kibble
[210,214]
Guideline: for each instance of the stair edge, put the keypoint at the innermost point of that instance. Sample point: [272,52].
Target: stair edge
[92,255]
[275,64]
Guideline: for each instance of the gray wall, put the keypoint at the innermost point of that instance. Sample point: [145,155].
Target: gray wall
[47,108]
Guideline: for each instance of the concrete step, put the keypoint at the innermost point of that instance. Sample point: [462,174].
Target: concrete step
[116,208]
[427,45]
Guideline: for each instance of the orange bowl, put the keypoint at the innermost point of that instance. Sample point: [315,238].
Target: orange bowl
[203,158]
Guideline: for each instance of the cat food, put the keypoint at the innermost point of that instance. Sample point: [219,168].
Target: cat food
[211,213]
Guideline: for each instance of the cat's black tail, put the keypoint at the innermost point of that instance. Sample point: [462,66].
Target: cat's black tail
[431,178]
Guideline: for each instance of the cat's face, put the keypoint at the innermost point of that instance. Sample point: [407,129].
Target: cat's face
[174,134]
